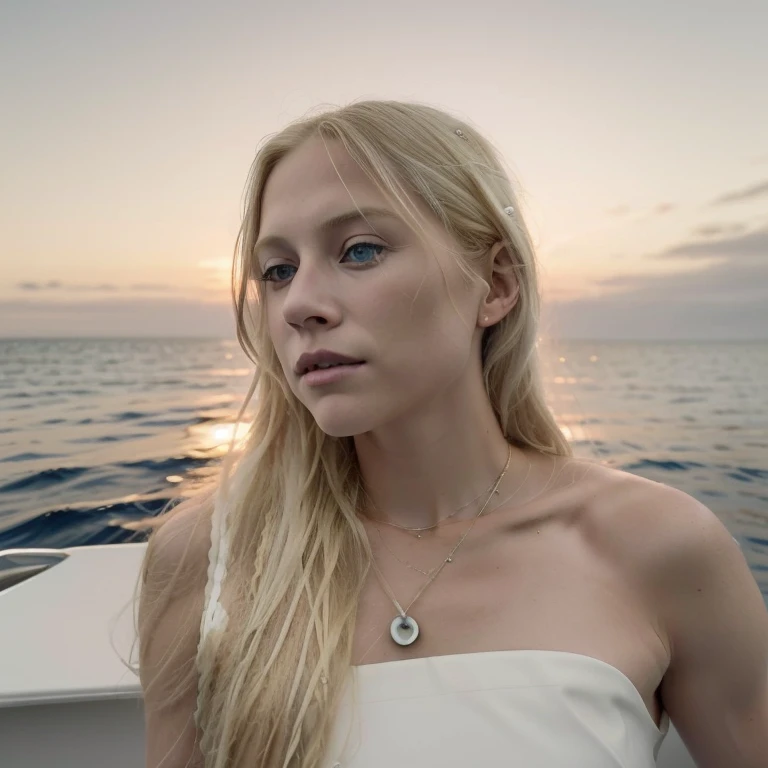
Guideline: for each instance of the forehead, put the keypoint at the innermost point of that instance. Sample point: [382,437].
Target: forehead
[314,180]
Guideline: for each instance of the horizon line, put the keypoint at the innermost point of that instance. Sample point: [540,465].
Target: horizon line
[648,339]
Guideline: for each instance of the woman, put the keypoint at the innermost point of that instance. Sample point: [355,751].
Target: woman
[406,563]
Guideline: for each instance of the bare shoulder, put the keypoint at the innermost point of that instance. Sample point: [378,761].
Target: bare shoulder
[646,524]
[183,537]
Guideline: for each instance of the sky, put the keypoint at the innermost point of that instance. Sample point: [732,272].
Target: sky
[637,134]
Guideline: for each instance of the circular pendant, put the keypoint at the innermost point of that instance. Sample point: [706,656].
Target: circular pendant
[404,630]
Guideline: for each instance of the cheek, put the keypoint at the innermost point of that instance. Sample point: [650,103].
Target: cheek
[421,326]
[277,332]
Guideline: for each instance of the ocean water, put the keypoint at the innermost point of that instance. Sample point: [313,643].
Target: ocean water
[97,434]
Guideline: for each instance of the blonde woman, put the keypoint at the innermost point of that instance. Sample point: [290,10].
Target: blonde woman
[403,564]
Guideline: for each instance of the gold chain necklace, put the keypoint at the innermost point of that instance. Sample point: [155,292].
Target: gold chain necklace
[428,527]
[427,573]
[404,629]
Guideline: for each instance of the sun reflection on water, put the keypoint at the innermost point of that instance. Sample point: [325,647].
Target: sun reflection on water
[211,439]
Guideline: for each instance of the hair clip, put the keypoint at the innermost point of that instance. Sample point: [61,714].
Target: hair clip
[460,134]
[509,210]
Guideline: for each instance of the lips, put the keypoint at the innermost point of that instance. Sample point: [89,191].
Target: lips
[328,367]
[310,360]
[322,377]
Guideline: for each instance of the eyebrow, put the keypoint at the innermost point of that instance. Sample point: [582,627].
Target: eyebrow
[329,225]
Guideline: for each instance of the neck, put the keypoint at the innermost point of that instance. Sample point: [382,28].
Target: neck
[421,471]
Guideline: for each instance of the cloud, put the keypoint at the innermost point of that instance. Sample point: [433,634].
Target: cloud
[721,284]
[724,297]
[742,195]
[57,285]
[743,247]
[619,210]
[30,286]
[663,208]
[644,317]
[715,230]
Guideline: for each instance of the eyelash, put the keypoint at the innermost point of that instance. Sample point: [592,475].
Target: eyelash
[266,276]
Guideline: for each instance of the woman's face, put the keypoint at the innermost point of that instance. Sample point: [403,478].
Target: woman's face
[369,290]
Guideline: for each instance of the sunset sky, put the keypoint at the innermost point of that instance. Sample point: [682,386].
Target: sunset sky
[638,133]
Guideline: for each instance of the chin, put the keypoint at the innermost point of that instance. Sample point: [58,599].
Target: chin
[338,420]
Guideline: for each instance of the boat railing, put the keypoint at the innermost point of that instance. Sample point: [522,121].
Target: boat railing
[17,565]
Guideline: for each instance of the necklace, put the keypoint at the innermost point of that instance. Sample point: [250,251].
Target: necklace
[407,565]
[427,573]
[428,527]
[404,629]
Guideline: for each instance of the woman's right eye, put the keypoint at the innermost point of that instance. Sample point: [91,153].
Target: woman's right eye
[266,276]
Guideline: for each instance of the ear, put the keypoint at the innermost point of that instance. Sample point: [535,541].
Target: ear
[504,287]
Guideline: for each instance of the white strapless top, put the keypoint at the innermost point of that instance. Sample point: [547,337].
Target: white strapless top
[526,708]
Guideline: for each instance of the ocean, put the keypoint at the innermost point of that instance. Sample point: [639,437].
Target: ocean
[97,434]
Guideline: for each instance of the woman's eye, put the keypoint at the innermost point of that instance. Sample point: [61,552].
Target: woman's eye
[270,275]
[361,249]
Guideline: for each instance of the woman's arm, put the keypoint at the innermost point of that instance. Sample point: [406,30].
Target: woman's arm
[170,609]
[716,688]
[715,621]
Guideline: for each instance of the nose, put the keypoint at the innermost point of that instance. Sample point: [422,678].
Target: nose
[310,297]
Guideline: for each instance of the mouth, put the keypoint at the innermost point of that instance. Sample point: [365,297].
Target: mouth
[319,375]
[331,366]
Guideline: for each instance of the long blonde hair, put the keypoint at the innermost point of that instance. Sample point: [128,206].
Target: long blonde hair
[271,680]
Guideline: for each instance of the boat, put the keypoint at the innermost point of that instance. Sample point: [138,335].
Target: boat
[68,695]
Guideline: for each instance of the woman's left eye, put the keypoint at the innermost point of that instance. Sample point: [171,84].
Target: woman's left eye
[363,249]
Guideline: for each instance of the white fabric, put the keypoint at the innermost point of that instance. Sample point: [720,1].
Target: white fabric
[532,709]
